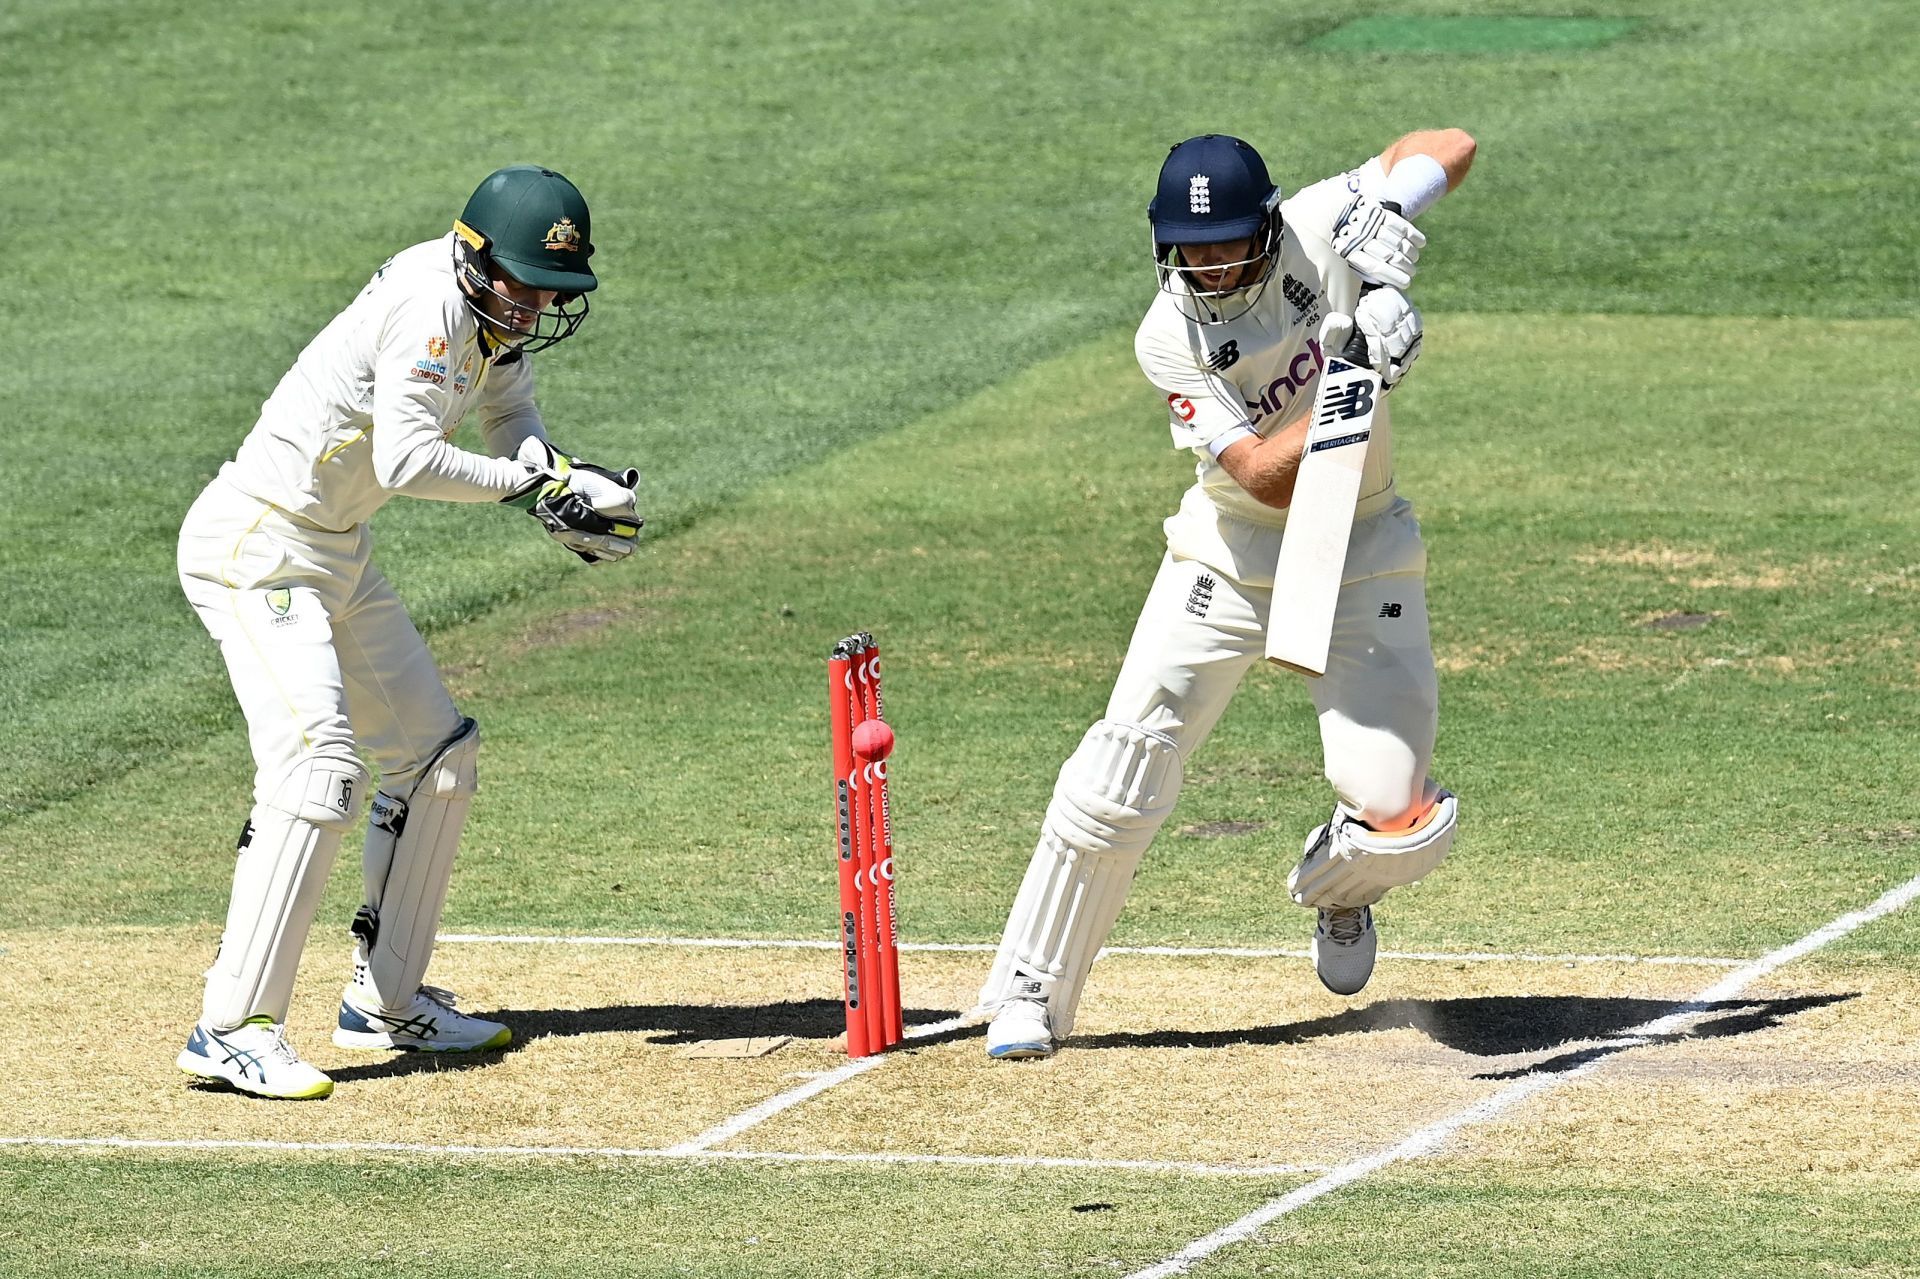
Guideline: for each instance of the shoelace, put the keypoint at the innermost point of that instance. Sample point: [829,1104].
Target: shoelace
[1345,927]
[441,996]
[280,1049]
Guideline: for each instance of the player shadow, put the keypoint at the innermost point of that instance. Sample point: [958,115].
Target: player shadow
[673,1024]
[1573,1029]
[666,1024]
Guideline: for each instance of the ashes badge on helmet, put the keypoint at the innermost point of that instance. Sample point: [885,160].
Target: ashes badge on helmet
[1214,191]
[531,225]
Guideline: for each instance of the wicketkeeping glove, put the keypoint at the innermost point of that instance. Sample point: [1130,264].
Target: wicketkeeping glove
[1380,245]
[588,509]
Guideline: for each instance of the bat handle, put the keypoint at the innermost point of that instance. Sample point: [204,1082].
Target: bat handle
[1355,351]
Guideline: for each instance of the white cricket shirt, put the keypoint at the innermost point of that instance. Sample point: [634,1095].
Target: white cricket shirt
[1259,370]
[368,409]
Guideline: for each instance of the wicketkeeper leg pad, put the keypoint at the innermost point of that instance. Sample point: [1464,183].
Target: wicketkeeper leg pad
[279,873]
[1347,864]
[408,863]
[1112,796]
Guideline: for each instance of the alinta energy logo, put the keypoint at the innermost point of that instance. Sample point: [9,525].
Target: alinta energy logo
[1199,198]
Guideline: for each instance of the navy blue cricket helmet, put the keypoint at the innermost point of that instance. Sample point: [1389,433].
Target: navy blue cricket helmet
[1214,189]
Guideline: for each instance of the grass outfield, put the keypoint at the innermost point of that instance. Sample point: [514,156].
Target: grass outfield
[1763,750]
[815,225]
[871,271]
[812,1224]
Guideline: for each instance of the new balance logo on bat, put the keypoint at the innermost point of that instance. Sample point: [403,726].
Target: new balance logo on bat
[1389,610]
[1350,401]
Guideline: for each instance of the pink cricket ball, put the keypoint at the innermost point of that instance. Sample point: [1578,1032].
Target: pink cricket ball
[872,739]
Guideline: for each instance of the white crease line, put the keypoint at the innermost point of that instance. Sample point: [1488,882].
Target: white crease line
[619,1152]
[1433,1135]
[987,948]
[1030,1161]
[772,1106]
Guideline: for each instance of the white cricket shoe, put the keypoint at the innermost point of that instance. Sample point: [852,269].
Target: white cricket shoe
[1344,945]
[1020,1029]
[430,1023]
[254,1057]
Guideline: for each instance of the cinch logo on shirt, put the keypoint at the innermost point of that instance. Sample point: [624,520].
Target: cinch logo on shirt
[1278,394]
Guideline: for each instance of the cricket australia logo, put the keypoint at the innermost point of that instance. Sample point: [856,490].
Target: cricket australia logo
[563,237]
[1199,200]
[1201,596]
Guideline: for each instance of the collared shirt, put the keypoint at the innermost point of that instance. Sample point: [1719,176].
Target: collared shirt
[369,409]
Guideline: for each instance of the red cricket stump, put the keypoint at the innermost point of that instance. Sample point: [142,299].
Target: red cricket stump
[894,1015]
[861,784]
[839,685]
[868,930]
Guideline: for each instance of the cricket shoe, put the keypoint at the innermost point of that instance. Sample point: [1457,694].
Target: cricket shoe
[1020,1029]
[1344,945]
[430,1023]
[254,1057]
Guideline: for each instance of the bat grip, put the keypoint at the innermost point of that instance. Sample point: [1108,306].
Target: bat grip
[1355,351]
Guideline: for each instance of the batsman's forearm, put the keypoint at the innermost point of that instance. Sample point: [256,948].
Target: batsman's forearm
[1267,468]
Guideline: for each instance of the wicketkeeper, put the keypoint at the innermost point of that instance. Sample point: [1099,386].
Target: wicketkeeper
[275,558]
[1254,291]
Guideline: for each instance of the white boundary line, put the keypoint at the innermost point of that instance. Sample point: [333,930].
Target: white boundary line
[1178,952]
[623,1152]
[1433,1135]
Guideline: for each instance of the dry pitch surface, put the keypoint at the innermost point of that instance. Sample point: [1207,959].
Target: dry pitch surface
[1209,1064]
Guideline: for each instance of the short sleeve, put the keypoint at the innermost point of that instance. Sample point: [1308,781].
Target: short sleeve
[1201,405]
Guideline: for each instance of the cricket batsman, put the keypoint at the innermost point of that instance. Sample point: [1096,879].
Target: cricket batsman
[274,557]
[1255,291]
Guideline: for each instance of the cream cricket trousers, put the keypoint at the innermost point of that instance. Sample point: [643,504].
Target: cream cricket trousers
[1200,631]
[321,652]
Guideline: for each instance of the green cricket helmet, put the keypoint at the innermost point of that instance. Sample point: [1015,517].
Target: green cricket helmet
[532,225]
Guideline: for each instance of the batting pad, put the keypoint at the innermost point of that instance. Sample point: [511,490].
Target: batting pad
[1113,794]
[408,863]
[279,873]
[1346,864]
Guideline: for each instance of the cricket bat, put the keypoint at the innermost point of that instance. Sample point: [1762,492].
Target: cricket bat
[1313,548]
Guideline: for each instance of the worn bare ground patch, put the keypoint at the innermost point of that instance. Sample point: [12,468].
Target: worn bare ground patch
[1832,1088]
[1702,569]
[1219,1060]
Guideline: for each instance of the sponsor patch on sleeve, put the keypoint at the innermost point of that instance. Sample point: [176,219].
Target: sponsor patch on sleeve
[431,367]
